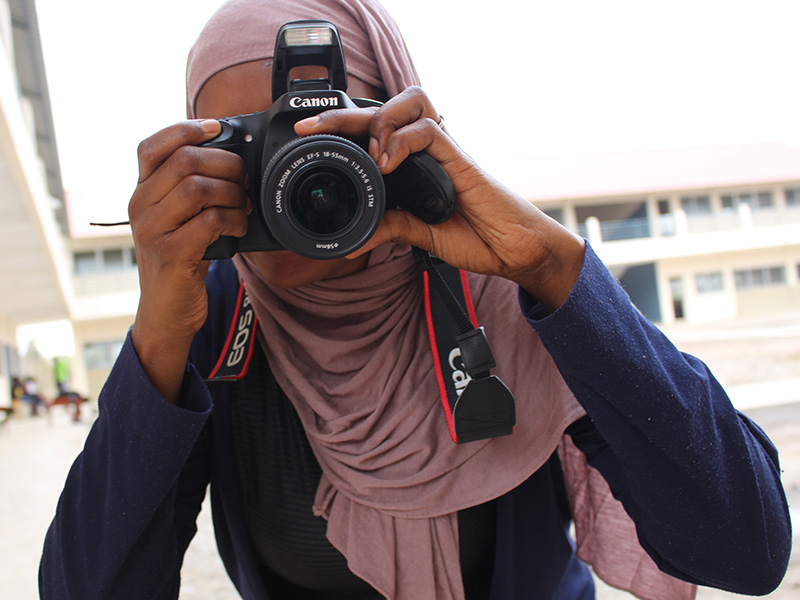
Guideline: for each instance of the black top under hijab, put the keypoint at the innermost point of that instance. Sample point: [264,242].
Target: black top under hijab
[279,475]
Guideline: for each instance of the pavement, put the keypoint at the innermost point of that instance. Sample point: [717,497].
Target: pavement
[758,360]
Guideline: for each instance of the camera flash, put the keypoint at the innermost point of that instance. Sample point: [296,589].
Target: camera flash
[309,36]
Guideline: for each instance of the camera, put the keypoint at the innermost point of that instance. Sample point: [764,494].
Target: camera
[320,196]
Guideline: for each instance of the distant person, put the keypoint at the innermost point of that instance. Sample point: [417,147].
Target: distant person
[61,372]
[32,396]
[17,389]
[330,458]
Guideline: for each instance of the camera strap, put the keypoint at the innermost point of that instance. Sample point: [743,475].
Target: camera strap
[477,404]
[237,351]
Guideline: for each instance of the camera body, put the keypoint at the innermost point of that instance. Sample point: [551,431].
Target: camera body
[320,196]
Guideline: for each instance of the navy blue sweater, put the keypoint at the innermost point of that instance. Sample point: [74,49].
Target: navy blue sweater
[700,480]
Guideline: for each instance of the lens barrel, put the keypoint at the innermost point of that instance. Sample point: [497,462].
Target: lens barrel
[322,196]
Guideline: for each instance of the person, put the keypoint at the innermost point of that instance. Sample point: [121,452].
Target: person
[31,395]
[331,468]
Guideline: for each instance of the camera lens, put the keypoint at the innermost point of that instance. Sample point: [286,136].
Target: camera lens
[322,196]
[325,202]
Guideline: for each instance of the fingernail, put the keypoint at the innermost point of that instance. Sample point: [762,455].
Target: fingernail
[383,161]
[373,148]
[309,122]
[209,126]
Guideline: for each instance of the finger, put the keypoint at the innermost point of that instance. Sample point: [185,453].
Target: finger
[156,149]
[399,227]
[186,246]
[193,195]
[415,137]
[426,135]
[206,227]
[409,106]
[341,121]
[188,161]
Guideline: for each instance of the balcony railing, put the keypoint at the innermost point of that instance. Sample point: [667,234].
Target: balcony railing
[627,229]
[110,282]
[681,224]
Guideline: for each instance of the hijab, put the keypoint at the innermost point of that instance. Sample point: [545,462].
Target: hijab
[245,30]
[352,354]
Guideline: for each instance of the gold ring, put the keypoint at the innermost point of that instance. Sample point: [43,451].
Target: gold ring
[440,123]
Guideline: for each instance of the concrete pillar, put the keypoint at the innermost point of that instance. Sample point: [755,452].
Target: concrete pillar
[593,231]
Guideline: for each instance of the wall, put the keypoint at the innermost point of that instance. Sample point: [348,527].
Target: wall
[90,379]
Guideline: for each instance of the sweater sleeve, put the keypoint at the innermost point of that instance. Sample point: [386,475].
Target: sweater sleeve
[700,480]
[129,505]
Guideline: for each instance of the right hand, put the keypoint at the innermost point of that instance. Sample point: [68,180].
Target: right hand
[186,197]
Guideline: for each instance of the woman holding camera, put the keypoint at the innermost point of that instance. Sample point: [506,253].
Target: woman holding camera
[331,467]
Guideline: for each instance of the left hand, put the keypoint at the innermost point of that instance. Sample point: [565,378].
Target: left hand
[493,231]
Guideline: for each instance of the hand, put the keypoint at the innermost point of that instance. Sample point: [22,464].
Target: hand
[186,197]
[493,231]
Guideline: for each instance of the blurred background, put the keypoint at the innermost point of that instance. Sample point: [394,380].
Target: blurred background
[665,133]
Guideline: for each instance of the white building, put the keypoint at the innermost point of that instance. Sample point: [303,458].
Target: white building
[699,235]
[34,276]
[106,288]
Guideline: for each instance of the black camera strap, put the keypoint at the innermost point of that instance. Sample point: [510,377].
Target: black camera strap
[234,359]
[477,404]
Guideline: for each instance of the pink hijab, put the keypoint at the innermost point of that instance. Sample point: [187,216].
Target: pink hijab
[245,30]
[353,357]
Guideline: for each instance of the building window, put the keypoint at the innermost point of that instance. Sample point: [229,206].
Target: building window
[85,262]
[708,282]
[556,214]
[793,197]
[676,291]
[696,205]
[92,262]
[755,200]
[757,278]
[101,355]
[113,260]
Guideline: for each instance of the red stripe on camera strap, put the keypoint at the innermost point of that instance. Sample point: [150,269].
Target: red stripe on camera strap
[235,357]
[442,333]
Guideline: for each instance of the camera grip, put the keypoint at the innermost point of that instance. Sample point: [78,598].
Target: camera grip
[421,186]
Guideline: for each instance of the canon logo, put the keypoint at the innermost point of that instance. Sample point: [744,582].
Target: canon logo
[460,377]
[298,102]
[242,335]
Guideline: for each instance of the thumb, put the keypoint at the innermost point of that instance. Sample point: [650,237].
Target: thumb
[400,227]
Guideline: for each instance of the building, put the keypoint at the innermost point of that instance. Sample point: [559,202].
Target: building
[35,285]
[696,235]
[105,283]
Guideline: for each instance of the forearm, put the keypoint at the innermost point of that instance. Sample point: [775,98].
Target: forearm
[123,520]
[702,484]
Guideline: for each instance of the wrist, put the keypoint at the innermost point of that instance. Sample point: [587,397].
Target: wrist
[163,356]
[552,279]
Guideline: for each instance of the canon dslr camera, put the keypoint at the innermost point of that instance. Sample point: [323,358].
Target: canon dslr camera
[320,196]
